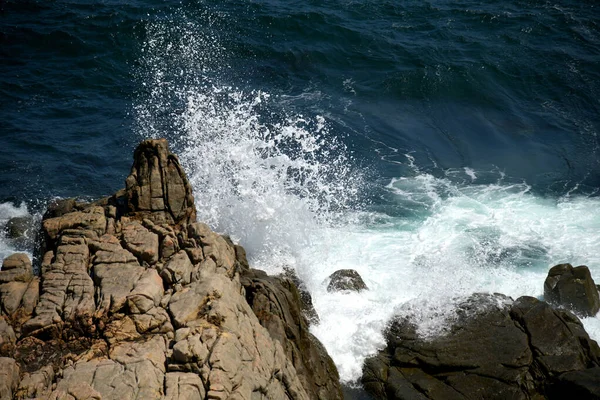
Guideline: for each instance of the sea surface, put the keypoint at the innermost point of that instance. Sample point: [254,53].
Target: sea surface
[438,147]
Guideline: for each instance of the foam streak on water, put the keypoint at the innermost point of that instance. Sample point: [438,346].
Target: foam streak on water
[284,187]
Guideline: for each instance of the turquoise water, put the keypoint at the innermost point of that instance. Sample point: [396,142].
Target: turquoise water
[437,147]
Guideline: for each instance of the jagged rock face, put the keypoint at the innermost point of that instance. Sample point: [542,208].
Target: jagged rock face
[496,350]
[346,279]
[138,301]
[279,307]
[157,187]
[572,288]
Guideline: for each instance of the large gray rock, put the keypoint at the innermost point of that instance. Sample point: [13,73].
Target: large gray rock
[496,349]
[572,288]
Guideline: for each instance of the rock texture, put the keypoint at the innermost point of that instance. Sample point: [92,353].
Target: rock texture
[136,300]
[497,349]
[277,303]
[346,279]
[572,288]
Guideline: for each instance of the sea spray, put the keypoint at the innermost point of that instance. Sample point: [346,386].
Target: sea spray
[284,186]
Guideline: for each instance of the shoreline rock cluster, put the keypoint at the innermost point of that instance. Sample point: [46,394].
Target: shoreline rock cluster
[137,300]
[134,299]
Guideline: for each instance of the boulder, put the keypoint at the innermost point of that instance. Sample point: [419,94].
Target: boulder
[495,349]
[16,267]
[572,288]
[346,279]
[19,289]
[21,230]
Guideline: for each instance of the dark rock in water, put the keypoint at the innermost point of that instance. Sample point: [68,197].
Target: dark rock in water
[580,385]
[276,302]
[19,227]
[572,288]
[59,207]
[346,279]
[494,350]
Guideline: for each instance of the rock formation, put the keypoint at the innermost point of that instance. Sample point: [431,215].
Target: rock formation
[346,279]
[496,349]
[572,288]
[136,300]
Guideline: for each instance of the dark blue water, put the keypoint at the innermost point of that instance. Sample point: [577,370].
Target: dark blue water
[444,129]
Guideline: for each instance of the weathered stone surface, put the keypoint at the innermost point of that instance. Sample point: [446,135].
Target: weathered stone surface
[496,349]
[346,279]
[91,219]
[141,242]
[9,378]
[178,269]
[214,246]
[277,303]
[572,288]
[183,386]
[157,187]
[7,338]
[67,294]
[36,384]
[134,370]
[580,385]
[16,267]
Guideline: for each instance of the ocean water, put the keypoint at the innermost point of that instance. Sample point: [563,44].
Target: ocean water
[440,148]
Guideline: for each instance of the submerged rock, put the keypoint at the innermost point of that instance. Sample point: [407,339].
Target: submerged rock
[346,279]
[495,350]
[572,288]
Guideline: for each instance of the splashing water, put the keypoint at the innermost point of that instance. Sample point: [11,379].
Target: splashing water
[284,186]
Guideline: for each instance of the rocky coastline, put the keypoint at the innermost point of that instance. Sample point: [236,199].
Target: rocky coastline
[135,299]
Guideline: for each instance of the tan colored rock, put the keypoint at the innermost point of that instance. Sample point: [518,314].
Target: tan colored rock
[36,384]
[146,293]
[67,293]
[214,246]
[9,378]
[157,187]
[222,340]
[141,242]
[92,219]
[7,338]
[114,282]
[135,370]
[16,267]
[178,269]
[183,386]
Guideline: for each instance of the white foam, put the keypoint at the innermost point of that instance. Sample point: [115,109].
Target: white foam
[283,186]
